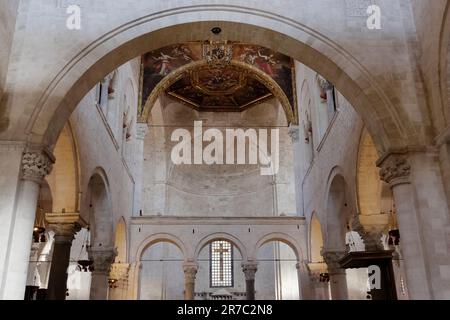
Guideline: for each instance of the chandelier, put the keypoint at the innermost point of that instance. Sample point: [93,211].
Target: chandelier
[218,54]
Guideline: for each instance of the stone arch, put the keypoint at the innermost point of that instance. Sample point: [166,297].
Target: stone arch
[121,241]
[100,210]
[175,75]
[63,180]
[281,237]
[316,240]
[160,237]
[225,237]
[156,30]
[337,210]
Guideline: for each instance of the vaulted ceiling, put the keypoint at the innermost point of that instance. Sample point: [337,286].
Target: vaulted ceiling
[229,88]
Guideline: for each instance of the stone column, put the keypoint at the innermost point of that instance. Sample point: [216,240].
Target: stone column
[396,170]
[319,279]
[65,226]
[141,132]
[36,164]
[338,276]
[304,285]
[190,271]
[444,159]
[103,259]
[119,274]
[249,268]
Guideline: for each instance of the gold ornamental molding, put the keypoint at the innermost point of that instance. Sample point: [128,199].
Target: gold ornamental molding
[174,76]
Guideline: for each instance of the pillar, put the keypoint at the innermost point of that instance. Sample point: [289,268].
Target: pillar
[304,284]
[444,159]
[338,276]
[141,132]
[119,274]
[103,258]
[190,271]
[65,226]
[249,268]
[423,219]
[36,164]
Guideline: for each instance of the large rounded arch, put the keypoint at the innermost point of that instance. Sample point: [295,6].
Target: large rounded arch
[175,75]
[153,31]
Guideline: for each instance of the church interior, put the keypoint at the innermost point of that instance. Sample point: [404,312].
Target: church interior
[224,150]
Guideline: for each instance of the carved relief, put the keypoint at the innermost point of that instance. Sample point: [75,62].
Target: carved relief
[395,167]
[36,165]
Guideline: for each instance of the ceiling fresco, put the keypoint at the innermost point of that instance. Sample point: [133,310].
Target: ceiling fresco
[208,87]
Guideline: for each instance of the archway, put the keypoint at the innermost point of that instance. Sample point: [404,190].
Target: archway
[277,275]
[349,77]
[161,276]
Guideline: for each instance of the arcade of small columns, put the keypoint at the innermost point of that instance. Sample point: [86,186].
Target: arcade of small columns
[396,169]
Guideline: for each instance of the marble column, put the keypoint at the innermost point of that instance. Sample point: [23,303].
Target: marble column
[103,258]
[249,268]
[190,272]
[141,132]
[119,274]
[36,164]
[65,226]
[422,216]
[338,276]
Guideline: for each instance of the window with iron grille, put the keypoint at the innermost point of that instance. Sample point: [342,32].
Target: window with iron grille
[221,264]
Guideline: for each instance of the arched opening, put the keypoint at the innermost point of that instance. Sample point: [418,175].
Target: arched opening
[219,275]
[161,276]
[316,240]
[100,214]
[277,275]
[347,75]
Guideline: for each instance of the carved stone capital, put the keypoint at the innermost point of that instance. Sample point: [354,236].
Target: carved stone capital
[36,164]
[103,258]
[395,169]
[65,225]
[141,131]
[190,271]
[294,133]
[249,268]
[332,258]
[119,271]
[372,237]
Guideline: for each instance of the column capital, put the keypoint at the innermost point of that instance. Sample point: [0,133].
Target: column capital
[249,268]
[190,271]
[141,130]
[65,225]
[119,271]
[36,164]
[395,169]
[294,133]
[103,258]
[332,258]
